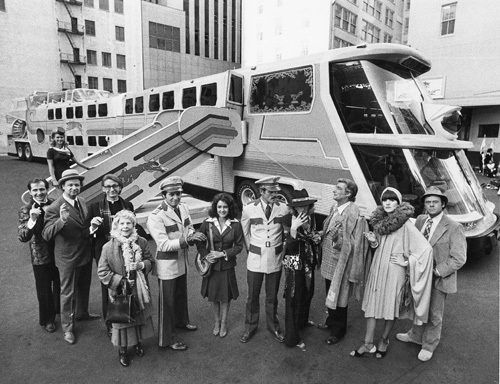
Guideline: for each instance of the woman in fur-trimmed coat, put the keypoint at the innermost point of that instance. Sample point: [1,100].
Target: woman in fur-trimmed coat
[401,250]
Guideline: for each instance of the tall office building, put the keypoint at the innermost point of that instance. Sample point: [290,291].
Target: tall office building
[281,29]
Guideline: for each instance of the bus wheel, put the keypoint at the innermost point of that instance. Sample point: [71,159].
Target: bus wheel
[247,192]
[28,155]
[20,151]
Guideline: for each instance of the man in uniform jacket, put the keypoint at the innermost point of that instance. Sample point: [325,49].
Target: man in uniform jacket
[171,227]
[47,284]
[263,229]
[65,225]
[449,247]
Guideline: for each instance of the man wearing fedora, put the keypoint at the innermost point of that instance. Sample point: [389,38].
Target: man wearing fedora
[449,246]
[171,227]
[65,225]
[263,227]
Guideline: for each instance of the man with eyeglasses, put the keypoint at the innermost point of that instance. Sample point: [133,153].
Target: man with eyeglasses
[171,227]
[103,213]
[263,227]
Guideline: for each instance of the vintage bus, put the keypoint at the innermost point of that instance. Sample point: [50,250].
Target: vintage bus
[358,112]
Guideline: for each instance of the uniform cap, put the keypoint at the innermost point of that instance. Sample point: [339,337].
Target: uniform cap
[270,183]
[172,184]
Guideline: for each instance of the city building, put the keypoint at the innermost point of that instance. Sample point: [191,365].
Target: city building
[281,29]
[112,45]
[461,39]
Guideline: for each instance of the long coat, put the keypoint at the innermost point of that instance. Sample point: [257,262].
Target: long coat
[449,251]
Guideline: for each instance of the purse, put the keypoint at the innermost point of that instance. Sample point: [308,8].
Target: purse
[203,266]
[120,307]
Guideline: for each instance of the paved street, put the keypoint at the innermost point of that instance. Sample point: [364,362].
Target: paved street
[468,352]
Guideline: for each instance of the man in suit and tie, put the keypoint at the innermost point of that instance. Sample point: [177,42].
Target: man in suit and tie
[263,228]
[449,246]
[171,227]
[65,225]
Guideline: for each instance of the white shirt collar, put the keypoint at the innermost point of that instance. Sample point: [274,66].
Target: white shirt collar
[341,208]
[72,202]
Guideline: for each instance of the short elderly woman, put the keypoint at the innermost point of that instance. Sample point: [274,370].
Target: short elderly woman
[126,260]
[400,249]
[224,232]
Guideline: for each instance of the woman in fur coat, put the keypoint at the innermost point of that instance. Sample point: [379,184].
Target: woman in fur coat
[402,256]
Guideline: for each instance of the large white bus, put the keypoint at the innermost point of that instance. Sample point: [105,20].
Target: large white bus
[358,112]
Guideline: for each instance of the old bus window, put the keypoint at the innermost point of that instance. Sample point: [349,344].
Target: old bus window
[188,97]
[69,113]
[50,114]
[168,100]
[70,140]
[58,113]
[91,110]
[103,110]
[139,104]
[236,89]
[284,91]
[154,102]
[208,94]
[92,141]
[79,112]
[129,106]
[103,142]
[79,140]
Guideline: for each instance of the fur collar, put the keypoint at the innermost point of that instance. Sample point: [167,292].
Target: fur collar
[384,224]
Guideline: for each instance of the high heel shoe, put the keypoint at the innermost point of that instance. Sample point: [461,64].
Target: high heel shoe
[223,330]
[216,329]
[380,354]
[366,349]
[124,359]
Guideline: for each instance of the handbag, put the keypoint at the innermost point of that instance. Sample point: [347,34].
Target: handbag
[120,307]
[203,266]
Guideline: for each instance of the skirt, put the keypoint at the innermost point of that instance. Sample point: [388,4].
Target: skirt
[130,336]
[220,286]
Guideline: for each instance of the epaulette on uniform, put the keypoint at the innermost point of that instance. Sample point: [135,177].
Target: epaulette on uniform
[157,210]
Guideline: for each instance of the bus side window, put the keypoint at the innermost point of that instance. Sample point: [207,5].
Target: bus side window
[168,100]
[154,102]
[236,89]
[139,104]
[51,114]
[79,140]
[91,110]
[79,112]
[103,110]
[129,106]
[92,141]
[208,94]
[70,140]
[188,97]
[102,141]
[58,113]
[69,113]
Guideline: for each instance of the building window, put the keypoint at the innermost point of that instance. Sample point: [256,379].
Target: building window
[90,27]
[119,6]
[448,15]
[2,5]
[93,82]
[104,5]
[106,59]
[89,3]
[121,62]
[339,43]
[164,37]
[120,33]
[107,85]
[122,86]
[370,33]
[488,130]
[389,17]
[406,26]
[91,57]
[387,38]
[345,19]
[372,7]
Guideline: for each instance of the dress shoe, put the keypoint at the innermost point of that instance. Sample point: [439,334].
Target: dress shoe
[223,330]
[139,351]
[425,355]
[247,336]
[367,347]
[189,327]
[69,337]
[382,348]
[332,340]
[279,336]
[216,329]
[180,347]
[124,359]
[406,338]
[88,317]
[50,327]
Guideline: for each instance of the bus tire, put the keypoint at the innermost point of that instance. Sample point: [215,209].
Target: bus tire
[28,155]
[247,192]
[285,195]
[20,151]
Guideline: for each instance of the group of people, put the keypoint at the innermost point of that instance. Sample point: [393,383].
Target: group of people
[400,270]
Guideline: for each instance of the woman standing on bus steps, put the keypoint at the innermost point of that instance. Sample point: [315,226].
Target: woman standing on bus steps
[225,234]
[402,256]
[60,157]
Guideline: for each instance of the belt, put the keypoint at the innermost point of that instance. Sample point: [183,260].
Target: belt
[257,250]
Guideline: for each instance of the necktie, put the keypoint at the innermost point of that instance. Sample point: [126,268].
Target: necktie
[177,212]
[268,211]
[427,230]
[78,209]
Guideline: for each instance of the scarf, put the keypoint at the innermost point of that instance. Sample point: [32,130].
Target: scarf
[385,224]
[106,215]
[132,252]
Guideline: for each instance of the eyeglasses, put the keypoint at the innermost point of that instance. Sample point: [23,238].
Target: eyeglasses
[108,187]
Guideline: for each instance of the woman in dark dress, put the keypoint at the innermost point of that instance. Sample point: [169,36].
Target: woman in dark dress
[220,285]
[59,156]
[299,263]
